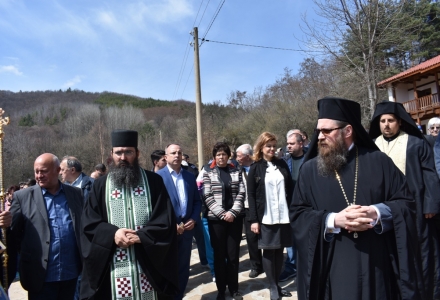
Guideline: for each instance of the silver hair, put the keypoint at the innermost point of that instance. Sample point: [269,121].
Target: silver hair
[292,131]
[298,136]
[72,162]
[433,121]
[245,149]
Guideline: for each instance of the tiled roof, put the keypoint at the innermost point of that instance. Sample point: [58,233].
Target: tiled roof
[429,64]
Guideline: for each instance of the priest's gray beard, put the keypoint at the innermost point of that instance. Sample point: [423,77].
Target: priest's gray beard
[331,157]
[127,174]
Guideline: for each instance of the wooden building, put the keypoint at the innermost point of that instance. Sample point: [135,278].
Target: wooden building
[418,89]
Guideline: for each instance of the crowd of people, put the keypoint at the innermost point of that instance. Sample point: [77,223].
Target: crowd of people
[357,212]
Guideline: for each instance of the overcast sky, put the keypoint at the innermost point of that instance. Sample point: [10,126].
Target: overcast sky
[139,47]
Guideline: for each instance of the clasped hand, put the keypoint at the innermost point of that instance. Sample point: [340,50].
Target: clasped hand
[125,237]
[189,225]
[356,218]
[5,219]
[229,217]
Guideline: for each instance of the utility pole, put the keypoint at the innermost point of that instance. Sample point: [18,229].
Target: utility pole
[201,160]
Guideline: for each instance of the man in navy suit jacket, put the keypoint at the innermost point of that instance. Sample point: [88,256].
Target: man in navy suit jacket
[182,188]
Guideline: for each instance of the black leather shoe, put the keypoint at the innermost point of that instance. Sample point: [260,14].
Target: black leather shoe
[236,296]
[254,273]
[221,296]
[285,293]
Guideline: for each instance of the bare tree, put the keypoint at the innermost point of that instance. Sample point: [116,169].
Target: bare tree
[359,33]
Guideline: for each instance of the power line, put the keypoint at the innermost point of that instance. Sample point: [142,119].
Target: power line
[219,7]
[184,88]
[185,56]
[203,13]
[247,45]
[212,22]
[182,69]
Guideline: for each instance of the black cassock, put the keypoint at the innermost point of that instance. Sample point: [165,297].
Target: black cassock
[372,266]
[424,184]
[156,254]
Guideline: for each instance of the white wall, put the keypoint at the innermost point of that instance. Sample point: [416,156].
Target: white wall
[403,95]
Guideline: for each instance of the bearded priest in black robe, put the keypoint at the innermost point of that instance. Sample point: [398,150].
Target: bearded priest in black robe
[352,215]
[396,134]
[129,238]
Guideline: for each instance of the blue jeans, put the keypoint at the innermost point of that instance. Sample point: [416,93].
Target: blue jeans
[208,247]
[78,285]
[290,263]
[200,241]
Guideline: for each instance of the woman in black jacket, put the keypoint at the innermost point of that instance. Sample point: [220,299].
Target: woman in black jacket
[270,188]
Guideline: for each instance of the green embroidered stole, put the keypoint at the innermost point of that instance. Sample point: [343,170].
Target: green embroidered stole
[129,208]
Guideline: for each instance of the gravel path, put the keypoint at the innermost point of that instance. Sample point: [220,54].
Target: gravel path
[200,285]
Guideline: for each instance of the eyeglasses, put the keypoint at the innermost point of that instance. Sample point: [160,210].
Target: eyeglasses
[326,131]
[126,153]
[435,127]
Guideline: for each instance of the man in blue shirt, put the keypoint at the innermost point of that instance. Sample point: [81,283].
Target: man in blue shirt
[71,174]
[182,188]
[46,224]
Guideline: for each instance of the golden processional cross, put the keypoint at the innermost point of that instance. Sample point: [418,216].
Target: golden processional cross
[3,122]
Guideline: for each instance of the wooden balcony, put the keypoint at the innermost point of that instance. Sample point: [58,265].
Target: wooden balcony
[423,107]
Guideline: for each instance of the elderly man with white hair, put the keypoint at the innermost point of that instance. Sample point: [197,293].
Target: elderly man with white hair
[434,126]
[433,129]
[244,158]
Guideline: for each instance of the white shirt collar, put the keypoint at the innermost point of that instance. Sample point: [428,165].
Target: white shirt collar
[171,170]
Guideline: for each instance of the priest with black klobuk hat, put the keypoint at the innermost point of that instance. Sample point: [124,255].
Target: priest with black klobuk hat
[411,153]
[352,215]
[146,269]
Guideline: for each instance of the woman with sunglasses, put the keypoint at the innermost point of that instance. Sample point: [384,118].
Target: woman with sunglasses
[270,188]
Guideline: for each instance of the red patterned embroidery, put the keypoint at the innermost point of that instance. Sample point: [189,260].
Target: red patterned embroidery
[123,287]
[145,284]
[138,191]
[116,193]
[121,254]
[139,227]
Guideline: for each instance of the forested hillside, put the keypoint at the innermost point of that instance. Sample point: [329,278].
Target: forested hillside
[74,122]
[78,123]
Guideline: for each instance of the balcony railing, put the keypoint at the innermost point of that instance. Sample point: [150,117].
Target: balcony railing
[422,103]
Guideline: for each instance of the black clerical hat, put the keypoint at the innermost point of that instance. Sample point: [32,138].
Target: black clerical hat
[387,107]
[341,110]
[124,138]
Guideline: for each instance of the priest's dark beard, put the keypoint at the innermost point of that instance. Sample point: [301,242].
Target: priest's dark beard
[331,158]
[128,175]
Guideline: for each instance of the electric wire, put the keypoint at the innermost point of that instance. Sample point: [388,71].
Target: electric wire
[203,14]
[219,7]
[184,88]
[247,45]
[212,21]
[182,69]
[185,56]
